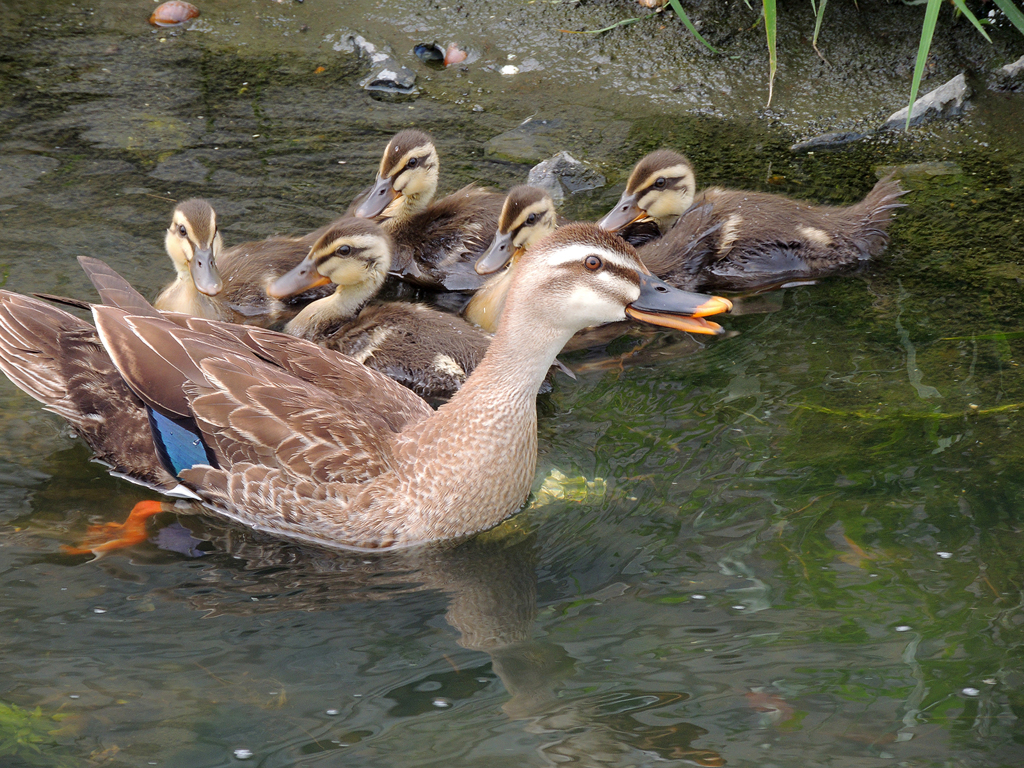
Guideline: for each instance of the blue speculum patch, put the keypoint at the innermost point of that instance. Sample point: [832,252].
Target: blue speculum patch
[178,443]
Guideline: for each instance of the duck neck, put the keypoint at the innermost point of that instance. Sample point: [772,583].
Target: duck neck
[320,317]
[478,452]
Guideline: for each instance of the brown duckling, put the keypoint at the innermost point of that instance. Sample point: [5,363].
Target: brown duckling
[436,242]
[736,240]
[228,284]
[429,351]
[527,215]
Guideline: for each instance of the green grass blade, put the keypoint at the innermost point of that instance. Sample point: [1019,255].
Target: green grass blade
[769,28]
[931,16]
[689,25]
[1012,13]
[817,20]
[818,16]
[622,23]
[962,7]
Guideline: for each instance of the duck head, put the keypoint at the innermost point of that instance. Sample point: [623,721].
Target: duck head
[354,254]
[581,276]
[527,215]
[406,180]
[659,189]
[193,243]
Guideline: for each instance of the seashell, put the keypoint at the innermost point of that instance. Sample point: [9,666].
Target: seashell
[454,55]
[173,12]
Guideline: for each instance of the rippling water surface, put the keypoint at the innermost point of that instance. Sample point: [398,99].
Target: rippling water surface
[799,544]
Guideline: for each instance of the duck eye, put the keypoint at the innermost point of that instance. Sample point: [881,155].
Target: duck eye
[413,162]
[182,231]
[593,263]
[344,250]
[660,183]
[531,219]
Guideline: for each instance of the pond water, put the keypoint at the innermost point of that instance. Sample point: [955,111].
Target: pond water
[798,544]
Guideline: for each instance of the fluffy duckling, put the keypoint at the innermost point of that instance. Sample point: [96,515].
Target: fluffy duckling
[527,215]
[227,284]
[428,351]
[299,441]
[436,242]
[724,239]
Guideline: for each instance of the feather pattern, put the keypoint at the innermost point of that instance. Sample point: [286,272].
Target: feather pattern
[307,443]
[721,239]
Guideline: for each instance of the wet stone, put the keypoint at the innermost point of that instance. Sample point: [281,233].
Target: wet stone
[529,142]
[828,141]
[390,77]
[563,175]
[1009,77]
[946,101]
[387,74]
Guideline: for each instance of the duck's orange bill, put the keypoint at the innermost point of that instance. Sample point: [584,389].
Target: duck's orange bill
[678,322]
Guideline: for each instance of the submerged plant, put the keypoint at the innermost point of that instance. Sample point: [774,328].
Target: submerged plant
[29,735]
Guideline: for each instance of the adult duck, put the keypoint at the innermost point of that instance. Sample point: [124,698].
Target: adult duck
[722,239]
[290,438]
[429,351]
[228,284]
[436,242]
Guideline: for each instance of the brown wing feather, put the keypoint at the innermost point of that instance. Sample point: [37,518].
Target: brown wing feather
[57,358]
[438,247]
[734,240]
[250,410]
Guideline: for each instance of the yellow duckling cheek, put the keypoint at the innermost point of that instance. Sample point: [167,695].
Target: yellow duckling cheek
[348,273]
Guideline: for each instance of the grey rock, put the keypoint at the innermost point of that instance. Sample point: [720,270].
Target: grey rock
[390,77]
[828,141]
[563,174]
[946,101]
[529,142]
[387,74]
[1009,77]
[1014,69]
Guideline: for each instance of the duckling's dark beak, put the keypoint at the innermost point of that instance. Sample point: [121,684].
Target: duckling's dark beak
[497,256]
[204,272]
[661,304]
[299,278]
[625,212]
[377,200]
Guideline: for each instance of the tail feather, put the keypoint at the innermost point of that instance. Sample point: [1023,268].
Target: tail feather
[57,359]
[29,347]
[874,213]
[114,290]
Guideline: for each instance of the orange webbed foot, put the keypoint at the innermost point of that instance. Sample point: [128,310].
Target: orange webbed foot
[100,539]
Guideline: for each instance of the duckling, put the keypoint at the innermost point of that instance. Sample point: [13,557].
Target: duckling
[436,242]
[724,239]
[429,351]
[527,215]
[302,442]
[227,284]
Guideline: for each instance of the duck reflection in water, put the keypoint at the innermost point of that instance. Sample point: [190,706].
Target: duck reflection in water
[490,583]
